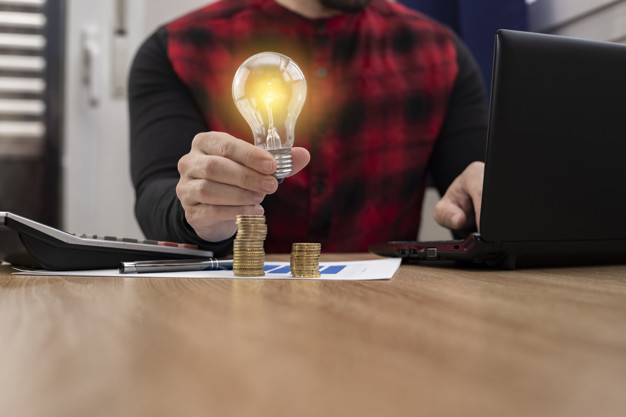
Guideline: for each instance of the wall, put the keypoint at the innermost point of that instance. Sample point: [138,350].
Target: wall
[603,20]
[161,11]
[98,196]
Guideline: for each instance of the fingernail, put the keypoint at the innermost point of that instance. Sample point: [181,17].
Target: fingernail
[269,185]
[268,166]
[258,210]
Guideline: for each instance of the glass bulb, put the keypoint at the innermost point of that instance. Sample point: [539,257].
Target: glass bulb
[269,91]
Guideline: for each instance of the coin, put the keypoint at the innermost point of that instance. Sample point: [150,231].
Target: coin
[248,250]
[304,260]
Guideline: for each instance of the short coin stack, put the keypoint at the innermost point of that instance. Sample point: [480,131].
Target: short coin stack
[248,252]
[305,260]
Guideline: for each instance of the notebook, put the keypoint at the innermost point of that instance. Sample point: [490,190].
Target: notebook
[555,167]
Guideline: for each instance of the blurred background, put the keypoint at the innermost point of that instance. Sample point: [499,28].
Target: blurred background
[63,116]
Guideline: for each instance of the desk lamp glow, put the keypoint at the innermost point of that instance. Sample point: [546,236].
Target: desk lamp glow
[269,91]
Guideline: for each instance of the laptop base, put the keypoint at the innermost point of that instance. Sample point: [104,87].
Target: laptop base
[510,255]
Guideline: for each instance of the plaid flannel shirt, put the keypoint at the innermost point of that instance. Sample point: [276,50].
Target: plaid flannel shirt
[379,83]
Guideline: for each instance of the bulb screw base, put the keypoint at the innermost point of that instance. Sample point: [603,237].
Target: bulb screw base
[283,163]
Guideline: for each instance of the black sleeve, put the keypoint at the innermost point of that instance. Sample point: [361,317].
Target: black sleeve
[464,133]
[164,119]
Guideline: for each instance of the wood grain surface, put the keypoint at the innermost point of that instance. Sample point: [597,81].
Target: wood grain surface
[433,341]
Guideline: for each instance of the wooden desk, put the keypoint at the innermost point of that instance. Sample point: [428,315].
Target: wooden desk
[433,341]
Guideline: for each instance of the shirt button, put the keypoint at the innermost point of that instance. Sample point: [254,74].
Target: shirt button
[321,27]
[320,188]
[321,72]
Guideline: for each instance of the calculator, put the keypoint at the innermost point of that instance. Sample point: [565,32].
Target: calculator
[25,242]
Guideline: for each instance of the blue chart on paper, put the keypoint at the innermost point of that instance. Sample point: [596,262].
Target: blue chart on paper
[324,270]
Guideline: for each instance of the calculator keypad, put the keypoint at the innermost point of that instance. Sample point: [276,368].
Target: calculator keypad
[144,241]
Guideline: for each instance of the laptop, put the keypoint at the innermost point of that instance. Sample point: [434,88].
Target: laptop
[555,168]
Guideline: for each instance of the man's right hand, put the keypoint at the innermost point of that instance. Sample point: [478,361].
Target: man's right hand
[223,176]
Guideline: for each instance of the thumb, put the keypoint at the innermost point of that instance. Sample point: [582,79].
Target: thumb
[300,158]
[449,215]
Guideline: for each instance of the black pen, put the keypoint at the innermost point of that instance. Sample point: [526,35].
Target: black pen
[175,265]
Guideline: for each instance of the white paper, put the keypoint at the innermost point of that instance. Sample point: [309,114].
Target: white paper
[377,269]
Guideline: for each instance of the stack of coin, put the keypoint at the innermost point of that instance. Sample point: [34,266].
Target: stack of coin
[305,260]
[248,252]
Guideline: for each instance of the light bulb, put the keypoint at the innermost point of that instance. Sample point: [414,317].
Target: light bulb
[269,91]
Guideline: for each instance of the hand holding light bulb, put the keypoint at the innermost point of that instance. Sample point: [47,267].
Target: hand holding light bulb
[223,176]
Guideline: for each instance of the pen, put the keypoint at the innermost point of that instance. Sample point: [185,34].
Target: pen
[175,265]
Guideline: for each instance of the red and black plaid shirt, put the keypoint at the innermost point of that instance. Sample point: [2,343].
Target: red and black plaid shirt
[379,85]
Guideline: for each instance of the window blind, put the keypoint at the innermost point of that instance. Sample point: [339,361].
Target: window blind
[22,77]
[31,107]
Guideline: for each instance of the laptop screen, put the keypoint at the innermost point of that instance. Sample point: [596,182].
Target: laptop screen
[556,151]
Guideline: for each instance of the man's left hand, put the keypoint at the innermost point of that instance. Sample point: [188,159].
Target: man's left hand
[459,208]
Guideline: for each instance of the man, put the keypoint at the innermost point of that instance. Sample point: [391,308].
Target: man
[393,98]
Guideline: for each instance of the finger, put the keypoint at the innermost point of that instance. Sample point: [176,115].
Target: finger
[449,214]
[473,184]
[222,225]
[226,146]
[300,159]
[200,191]
[225,171]
[460,206]
[455,206]
[478,202]
[199,213]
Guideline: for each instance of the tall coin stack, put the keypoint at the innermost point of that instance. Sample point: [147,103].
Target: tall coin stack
[248,252]
[305,260]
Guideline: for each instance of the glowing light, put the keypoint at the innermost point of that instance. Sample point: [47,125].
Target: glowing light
[269,91]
